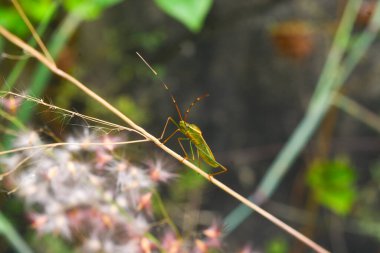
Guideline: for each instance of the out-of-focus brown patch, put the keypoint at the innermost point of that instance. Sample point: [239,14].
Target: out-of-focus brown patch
[365,13]
[293,39]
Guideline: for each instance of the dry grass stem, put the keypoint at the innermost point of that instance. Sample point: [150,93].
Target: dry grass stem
[9,172]
[34,32]
[115,127]
[58,144]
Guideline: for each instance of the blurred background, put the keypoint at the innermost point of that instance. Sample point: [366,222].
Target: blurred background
[261,62]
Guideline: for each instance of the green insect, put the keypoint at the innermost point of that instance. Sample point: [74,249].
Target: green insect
[191,131]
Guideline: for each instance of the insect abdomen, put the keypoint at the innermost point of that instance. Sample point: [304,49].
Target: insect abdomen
[195,135]
[204,150]
[209,159]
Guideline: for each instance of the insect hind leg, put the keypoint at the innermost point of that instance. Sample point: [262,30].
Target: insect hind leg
[218,165]
[192,150]
[183,149]
[221,171]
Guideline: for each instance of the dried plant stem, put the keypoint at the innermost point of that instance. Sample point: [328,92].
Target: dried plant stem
[9,172]
[15,40]
[58,144]
[114,126]
[34,32]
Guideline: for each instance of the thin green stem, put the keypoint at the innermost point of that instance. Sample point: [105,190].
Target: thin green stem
[165,213]
[357,111]
[12,119]
[334,74]
[318,107]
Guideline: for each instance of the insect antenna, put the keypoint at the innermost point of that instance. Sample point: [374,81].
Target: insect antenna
[163,84]
[193,103]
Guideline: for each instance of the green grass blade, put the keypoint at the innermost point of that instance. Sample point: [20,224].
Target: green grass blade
[12,236]
[332,77]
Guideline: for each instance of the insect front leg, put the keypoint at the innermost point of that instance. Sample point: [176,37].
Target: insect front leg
[170,119]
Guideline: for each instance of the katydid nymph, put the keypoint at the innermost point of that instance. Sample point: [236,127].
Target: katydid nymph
[191,131]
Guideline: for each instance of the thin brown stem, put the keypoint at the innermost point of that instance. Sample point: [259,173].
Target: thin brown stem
[33,31]
[70,113]
[58,144]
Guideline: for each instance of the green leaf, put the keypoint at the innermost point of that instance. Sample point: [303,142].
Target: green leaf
[35,10]
[191,13]
[11,20]
[333,184]
[88,9]
[128,106]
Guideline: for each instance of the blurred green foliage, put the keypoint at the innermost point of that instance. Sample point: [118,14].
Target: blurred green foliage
[333,184]
[37,9]
[51,244]
[127,106]
[191,13]
[150,41]
[68,95]
[277,245]
[188,182]
[88,9]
